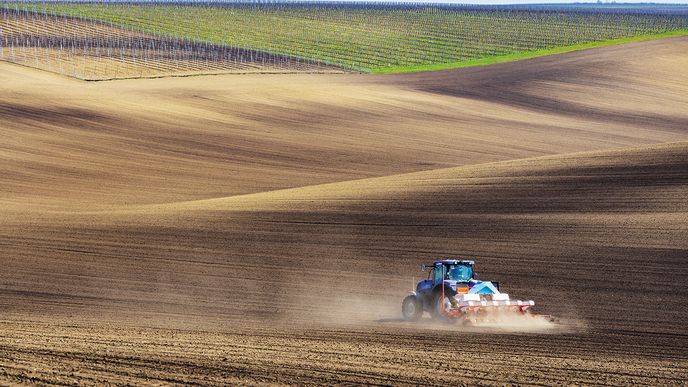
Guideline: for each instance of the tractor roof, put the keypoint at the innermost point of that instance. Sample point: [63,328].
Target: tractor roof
[453,262]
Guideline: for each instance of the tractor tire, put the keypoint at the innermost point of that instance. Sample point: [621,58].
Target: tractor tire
[411,308]
[437,306]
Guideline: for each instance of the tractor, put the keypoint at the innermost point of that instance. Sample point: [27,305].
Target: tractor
[452,292]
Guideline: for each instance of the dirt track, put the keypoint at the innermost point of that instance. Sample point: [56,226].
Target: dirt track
[137,241]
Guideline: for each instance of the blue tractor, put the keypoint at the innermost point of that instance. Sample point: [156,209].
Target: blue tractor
[452,291]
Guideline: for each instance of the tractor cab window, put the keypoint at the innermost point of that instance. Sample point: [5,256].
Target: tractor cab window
[437,274]
[459,272]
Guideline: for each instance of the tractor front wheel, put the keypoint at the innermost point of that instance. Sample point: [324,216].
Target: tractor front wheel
[411,308]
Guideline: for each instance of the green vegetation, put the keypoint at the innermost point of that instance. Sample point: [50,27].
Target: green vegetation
[524,55]
[382,39]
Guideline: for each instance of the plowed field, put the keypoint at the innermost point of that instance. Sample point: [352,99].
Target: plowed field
[264,229]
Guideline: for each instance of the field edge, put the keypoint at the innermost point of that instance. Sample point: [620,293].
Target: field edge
[524,55]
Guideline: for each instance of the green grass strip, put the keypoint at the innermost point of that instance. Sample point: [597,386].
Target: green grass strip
[522,55]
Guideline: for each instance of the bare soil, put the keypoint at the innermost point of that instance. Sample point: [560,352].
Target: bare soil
[250,230]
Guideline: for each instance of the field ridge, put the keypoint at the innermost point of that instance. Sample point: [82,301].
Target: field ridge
[347,191]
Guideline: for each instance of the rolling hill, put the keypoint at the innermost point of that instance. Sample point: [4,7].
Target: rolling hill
[264,229]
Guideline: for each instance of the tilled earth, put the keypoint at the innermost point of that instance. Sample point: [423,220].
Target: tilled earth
[233,250]
[304,286]
[43,352]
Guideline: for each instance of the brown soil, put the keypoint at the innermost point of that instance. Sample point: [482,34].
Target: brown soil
[264,230]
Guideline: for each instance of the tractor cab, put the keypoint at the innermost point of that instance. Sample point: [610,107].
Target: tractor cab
[454,273]
[460,271]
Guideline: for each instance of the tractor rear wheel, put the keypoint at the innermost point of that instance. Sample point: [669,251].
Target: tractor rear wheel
[411,308]
[437,305]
